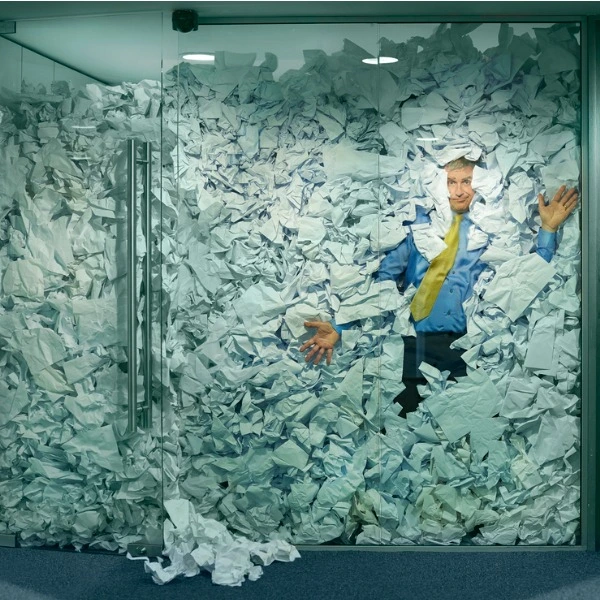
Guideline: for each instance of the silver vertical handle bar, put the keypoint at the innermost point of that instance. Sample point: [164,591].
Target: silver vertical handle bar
[131,288]
[132,300]
[147,278]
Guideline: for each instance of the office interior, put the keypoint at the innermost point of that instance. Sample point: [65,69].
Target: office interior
[184,186]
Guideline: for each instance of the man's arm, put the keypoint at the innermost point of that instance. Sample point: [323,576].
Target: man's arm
[394,263]
[328,334]
[553,215]
[546,244]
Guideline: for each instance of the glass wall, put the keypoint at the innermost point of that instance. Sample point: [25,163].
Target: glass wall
[23,70]
[313,186]
[307,184]
[74,470]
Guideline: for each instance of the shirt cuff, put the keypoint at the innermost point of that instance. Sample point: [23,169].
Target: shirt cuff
[546,239]
[340,328]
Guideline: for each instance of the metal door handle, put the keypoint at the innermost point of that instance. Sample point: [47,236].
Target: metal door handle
[147,279]
[132,300]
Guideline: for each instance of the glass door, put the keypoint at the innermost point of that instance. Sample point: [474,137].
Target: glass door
[81,421]
[316,181]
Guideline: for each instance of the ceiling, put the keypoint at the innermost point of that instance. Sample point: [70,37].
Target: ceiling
[128,41]
[278,9]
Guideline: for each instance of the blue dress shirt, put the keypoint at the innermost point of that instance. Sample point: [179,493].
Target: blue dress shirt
[447,314]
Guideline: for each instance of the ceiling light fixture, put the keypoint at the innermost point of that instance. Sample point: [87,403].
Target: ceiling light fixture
[427,139]
[199,57]
[382,60]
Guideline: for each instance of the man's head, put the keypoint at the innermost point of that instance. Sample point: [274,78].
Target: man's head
[460,176]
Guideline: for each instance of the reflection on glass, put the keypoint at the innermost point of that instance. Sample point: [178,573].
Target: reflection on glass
[297,184]
[323,195]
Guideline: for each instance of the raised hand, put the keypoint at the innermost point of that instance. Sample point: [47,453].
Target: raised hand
[556,212]
[321,343]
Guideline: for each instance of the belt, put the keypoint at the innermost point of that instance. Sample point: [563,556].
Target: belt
[448,334]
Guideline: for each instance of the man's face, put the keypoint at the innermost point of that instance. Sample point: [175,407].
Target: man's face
[460,190]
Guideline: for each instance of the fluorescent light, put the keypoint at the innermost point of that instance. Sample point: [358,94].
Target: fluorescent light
[199,57]
[430,139]
[382,60]
[84,127]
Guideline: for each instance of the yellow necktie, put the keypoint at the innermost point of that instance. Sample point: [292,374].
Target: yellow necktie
[430,287]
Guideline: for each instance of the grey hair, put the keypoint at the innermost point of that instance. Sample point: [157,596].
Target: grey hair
[460,163]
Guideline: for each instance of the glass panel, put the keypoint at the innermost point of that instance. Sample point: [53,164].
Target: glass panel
[296,177]
[277,179]
[10,67]
[38,72]
[485,453]
[71,473]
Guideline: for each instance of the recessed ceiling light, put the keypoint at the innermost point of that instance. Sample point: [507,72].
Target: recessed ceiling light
[382,60]
[200,57]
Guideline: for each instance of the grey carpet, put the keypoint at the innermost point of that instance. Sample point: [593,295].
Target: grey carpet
[43,574]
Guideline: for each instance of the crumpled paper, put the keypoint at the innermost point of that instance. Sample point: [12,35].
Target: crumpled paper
[338,193]
[265,225]
[193,544]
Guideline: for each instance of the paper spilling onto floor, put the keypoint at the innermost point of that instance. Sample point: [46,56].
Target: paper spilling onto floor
[194,544]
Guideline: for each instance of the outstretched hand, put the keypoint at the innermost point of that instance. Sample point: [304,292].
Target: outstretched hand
[556,212]
[321,343]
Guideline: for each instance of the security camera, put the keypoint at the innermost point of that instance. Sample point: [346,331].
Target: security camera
[185,21]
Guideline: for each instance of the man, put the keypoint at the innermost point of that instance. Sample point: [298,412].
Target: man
[443,285]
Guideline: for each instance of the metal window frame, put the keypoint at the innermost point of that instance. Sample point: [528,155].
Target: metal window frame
[590,184]
[590,247]
[590,146]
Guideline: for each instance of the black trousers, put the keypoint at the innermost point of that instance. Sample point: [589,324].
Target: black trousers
[434,349]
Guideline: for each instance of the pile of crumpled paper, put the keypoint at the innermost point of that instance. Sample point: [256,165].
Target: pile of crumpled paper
[291,191]
[278,201]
